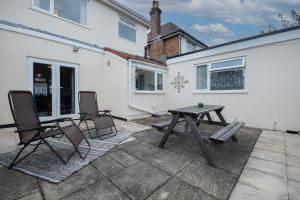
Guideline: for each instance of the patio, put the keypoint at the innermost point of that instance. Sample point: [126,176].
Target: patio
[138,169]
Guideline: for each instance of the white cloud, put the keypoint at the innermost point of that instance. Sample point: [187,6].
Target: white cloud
[217,41]
[213,29]
[255,12]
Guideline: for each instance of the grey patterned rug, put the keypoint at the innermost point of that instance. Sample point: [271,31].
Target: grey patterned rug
[45,165]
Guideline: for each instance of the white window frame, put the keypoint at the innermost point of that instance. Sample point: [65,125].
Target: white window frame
[129,24]
[55,85]
[209,70]
[155,79]
[51,13]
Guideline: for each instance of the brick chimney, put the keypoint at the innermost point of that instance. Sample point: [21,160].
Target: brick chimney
[155,14]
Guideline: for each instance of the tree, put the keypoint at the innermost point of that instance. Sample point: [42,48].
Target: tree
[286,22]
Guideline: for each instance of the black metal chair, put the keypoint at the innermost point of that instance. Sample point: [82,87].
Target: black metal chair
[101,119]
[33,133]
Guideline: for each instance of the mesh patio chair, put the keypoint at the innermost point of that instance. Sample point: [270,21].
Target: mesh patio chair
[101,119]
[33,133]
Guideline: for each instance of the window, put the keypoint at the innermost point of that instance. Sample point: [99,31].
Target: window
[190,46]
[73,10]
[227,75]
[149,81]
[127,30]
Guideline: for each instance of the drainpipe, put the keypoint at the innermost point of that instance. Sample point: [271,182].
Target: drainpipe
[130,93]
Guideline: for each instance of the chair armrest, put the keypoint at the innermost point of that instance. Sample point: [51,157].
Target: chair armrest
[104,111]
[57,120]
[39,128]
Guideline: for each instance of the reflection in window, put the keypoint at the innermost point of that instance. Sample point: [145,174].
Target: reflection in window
[42,4]
[160,81]
[127,30]
[67,90]
[42,88]
[145,80]
[201,77]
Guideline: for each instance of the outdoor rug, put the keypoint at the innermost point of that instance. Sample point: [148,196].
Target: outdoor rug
[45,165]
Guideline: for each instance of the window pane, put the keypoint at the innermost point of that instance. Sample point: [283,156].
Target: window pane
[67,90]
[74,10]
[145,80]
[201,77]
[42,4]
[229,63]
[227,80]
[42,88]
[160,82]
[127,32]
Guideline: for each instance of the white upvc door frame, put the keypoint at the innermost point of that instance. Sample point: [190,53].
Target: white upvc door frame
[55,72]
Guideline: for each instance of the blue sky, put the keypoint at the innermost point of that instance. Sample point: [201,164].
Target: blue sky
[219,21]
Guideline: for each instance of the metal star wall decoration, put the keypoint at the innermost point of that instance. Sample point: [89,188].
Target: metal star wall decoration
[179,82]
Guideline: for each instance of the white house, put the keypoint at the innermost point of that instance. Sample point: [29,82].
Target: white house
[98,45]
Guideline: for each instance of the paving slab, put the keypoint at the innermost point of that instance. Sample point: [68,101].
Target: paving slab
[268,155]
[123,158]
[33,196]
[294,190]
[292,141]
[293,173]
[293,161]
[102,190]
[140,180]
[107,166]
[265,182]
[270,147]
[186,148]
[169,161]
[246,192]
[274,168]
[14,184]
[293,151]
[214,181]
[179,190]
[79,180]
[272,140]
[141,150]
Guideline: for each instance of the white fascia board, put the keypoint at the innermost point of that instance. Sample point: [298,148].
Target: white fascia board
[276,38]
[48,37]
[149,66]
[125,11]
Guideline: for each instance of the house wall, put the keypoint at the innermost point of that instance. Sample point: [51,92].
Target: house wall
[271,86]
[108,81]
[171,46]
[102,28]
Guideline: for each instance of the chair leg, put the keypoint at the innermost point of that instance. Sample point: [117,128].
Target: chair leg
[55,152]
[13,163]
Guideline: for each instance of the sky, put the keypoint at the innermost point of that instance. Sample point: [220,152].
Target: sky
[219,21]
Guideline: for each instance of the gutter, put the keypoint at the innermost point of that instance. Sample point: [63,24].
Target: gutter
[130,95]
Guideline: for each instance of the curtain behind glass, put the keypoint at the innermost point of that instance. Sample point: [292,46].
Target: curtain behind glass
[201,77]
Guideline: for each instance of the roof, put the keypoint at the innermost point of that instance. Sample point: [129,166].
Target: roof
[170,29]
[127,11]
[263,35]
[127,56]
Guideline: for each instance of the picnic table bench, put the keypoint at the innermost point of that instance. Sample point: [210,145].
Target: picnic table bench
[194,116]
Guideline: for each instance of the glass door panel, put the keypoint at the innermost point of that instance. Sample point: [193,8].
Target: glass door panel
[67,90]
[42,88]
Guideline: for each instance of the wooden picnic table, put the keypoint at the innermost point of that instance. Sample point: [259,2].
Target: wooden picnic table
[194,116]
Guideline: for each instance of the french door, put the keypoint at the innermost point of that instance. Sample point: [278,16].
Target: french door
[55,87]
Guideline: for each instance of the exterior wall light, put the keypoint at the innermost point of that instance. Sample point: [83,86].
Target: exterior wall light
[75,49]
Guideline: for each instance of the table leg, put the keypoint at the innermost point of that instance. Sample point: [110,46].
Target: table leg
[233,138]
[200,140]
[169,131]
[209,117]
[198,121]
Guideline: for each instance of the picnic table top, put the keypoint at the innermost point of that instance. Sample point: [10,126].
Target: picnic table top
[195,110]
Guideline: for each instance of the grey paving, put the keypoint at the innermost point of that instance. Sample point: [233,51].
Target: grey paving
[102,190]
[179,190]
[33,196]
[140,180]
[213,181]
[273,170]
[79,180]
[14,184]
[107,166]
[123,158]
[138,169]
